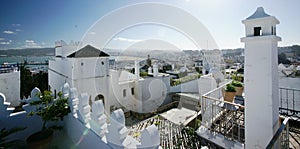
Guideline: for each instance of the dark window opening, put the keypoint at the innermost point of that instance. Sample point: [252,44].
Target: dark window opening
[257,31]
[132,91]
[100,97]
[102,63]
[124,92]
[272,30]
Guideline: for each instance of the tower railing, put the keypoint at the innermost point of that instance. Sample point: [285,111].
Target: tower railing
[281,136]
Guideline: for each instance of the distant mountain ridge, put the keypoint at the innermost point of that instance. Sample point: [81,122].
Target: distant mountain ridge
[28,52]
[51,51]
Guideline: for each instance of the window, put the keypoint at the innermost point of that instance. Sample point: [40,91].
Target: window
[124,92]
[272,30]
[257,31]
[132,91]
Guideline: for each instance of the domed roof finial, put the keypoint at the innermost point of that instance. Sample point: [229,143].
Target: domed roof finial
[259,13]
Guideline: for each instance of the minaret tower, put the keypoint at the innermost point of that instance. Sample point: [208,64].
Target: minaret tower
[261,79]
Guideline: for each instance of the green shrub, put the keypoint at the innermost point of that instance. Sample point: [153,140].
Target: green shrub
[142,73]
[50,109]
[237,84]
[229,88]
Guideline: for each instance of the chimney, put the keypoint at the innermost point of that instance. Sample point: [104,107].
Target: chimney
[137,69]
[155,70]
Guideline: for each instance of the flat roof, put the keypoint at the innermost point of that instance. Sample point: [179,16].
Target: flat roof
[179,116]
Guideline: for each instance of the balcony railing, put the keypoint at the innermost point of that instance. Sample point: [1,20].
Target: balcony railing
[289,102]
[223,117]
[281,136]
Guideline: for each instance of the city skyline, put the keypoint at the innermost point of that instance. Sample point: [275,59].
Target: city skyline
[33,24]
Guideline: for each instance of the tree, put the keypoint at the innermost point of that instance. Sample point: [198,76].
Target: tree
[282,59]
[29,81]
[26,81]
[149,61]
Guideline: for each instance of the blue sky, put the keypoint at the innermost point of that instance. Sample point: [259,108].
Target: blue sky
[39,23]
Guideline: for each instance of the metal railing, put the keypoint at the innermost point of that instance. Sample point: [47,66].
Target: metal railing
[289,102]
[281,135]
[223,117]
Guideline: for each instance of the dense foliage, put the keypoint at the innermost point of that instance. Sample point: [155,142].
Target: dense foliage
[143,74]
[175,82]
[283,59]
[237,84]
[29,81]
[230,88]
[50,109]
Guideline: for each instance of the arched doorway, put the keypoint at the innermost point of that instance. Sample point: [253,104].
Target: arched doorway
[100,97]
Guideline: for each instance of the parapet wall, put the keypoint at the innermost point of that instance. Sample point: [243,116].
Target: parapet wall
[87,126]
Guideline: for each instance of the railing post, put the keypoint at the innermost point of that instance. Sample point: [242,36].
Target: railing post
[287,141]
[293,100]
[281,97]
[287,101]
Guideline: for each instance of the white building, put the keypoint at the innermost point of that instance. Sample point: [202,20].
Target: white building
[10,84]
[87,69]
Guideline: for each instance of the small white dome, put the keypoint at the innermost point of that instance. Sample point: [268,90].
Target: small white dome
[66,89]
[34,92]
[183,69]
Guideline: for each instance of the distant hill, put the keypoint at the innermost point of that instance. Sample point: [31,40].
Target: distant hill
[28,52]
[288,49]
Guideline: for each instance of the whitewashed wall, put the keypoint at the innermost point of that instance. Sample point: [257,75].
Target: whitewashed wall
[10,86]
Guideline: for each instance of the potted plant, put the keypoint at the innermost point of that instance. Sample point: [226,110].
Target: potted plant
[239,87]
[229,93]
[49,109]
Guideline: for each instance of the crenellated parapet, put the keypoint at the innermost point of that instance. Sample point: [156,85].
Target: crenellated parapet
[73,101]
[62,49]
[98,118]
[5,111]
[85,123]
[114,133]
[84,109]
[117,129]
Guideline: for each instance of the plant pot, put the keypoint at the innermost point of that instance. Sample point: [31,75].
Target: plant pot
[239,91]
[228,96]
[40,140]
